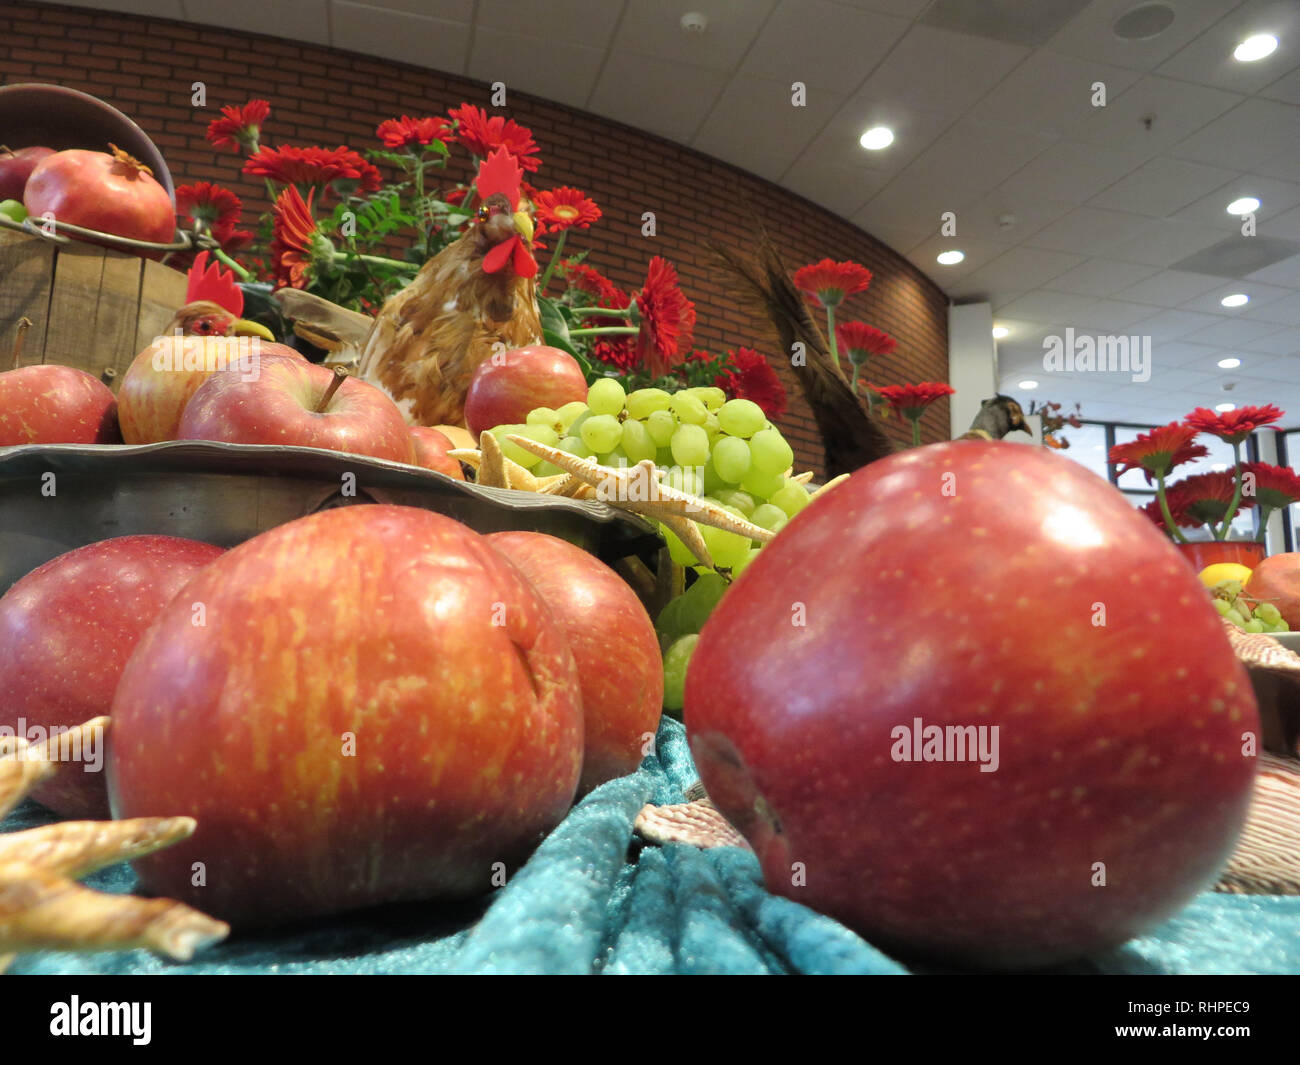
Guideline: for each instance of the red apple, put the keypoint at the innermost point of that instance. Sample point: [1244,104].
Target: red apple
[976,586]
[379,708]
[431,449]
[163,377]
[294,402]
[53,404]
[506,387]
[67,629]
[613,641]
[16,167]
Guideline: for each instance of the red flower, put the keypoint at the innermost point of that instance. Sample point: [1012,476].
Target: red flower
[239,127]
[1204,497]
[1234,425]
[667,318]
[407,132]
[911,400]
[1158,451]
[205,207]
[751,377]
[295,238]
[1275,486]
[312,167]
[588,279]
[1178,504]
[456,197]
[482,135]
[857,340]
[562,208]
[619,353]
[830,282]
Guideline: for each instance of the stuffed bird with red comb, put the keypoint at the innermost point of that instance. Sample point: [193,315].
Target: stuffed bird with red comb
[474,295]
[213,305]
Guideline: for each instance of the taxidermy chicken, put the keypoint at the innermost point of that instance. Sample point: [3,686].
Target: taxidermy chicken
[213,304]
[474,297]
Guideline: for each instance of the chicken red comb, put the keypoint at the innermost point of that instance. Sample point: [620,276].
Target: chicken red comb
[208,281]
[499,173]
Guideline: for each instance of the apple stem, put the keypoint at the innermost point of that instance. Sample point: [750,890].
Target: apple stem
[24,324]
[340,373]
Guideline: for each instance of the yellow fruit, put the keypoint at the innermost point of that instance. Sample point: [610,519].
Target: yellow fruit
[1224,571]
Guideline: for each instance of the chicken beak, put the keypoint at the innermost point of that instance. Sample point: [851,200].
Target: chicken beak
[244,328]
[524,227]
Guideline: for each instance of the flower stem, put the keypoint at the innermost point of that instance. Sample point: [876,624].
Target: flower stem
[1231,512]
[1174,531]
[378,260]
[550,266]
[605,330]
[916,429]
[226,260]
[602,312]
[830,332]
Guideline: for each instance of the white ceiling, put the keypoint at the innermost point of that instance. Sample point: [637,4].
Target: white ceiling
[992,117]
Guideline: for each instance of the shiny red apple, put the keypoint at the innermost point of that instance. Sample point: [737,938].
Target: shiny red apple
[972,704]
[53,404]
[378,708]
[431,449]
[613,641]
[66,631]
[505,387]
[16,167]
[293,402]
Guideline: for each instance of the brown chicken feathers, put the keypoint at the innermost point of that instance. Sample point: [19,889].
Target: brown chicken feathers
[474,297]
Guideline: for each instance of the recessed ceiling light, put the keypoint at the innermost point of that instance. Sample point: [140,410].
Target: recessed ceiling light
[1229,364]
[1245,205]
[1000,331]
[1256,47]
[1223,408]
[1237,299]
[1027,386]
[877,137]
[951,258]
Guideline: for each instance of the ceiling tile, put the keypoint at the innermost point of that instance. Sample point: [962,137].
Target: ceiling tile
[839,188]
[662,97]
[450,10]
[838,144]
[1230,332]
[1171,288]
[1175,325]
[902,8]
[551,69]
[822,44]
[1163,242]
[1162,186]
[753,125]
[1285,225]
[1051,93]
[1176,109]
[569,21]
[978,253]
[1283,342]
[1088,230]
[1276,198]
[1260,296]
[1284,311]
[158,8]
[1021,269]
[295,20]
[1248,135]
[1113,317]
[1286,88]
[1285,273]
[978,155]
[913,205]
[1044,306]
[1103,277]
[1071,171]
[900,240]
[983,220]
[434,44]
[653,28]
[1208,59]
[1089,34]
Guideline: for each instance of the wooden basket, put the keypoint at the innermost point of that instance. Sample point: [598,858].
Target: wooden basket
[90,307]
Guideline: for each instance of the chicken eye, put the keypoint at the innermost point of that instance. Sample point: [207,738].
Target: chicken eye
[483,213]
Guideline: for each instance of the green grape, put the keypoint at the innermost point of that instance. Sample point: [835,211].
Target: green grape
[546,469]
[711,397]
[791,497]
[740,568]
[637,442]
[1267,612]
[690,445]
[761,485]
[513,451]
[1221,605]
[769,517]
[1254,625]
[616,458]
[738,500]
[575,426]
[771,454]
[574,446]
[1282,626]
[664,457]
[713,427]
[731,458]
[670,623]
[606,396]
[542,416]
[727,548]
[712,482]
[677,660]
[699,600]
[602,432]
[645,401]
[1234,615]
[741,417]
[688,409]
[684,479]
[677,551]
[661,425]
[569,413]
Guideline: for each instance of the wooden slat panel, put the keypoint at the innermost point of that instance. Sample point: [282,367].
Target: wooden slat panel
[162,295]
[116,317]
[26,277]
[70,338]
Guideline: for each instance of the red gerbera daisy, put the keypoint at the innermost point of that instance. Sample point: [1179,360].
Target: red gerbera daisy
[619,353]
[1178,502]
[407,132]
[751,377]
[829,283]
[295,240]
[562,208]
[1233,425]
[588,279]
[1158,451]
[239,127]
[208,208]
[667,318]
[482,135]
[312,167]
[858,340]
[456,196]
[1273,487]
[910,401]
[1204,497]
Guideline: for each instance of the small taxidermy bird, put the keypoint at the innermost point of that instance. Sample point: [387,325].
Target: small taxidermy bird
[213,304]
[997,417]
[475,296]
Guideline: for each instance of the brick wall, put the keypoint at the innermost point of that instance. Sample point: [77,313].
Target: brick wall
[145,67]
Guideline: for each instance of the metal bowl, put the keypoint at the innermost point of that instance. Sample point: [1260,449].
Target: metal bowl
[54,498]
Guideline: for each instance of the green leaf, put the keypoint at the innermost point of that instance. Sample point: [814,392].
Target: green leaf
[438,148]
[555,340]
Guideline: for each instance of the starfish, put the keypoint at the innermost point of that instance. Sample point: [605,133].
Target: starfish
[494,469]
[637,489]
[41,905]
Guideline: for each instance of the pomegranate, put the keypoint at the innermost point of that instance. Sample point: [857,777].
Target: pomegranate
[95,190]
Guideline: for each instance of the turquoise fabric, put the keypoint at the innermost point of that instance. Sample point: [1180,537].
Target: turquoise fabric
[592,899]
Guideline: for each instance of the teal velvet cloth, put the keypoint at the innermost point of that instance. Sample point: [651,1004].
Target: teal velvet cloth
[586,902]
